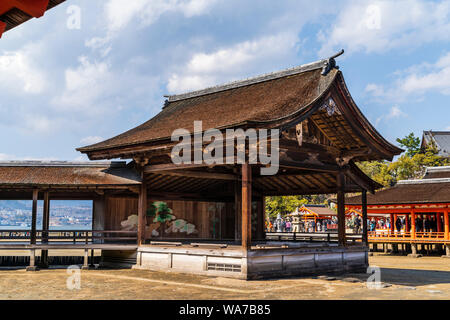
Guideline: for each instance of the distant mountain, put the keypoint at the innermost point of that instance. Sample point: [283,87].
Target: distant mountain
[27,204]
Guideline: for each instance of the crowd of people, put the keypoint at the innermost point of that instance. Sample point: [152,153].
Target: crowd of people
[423,224]
[310,225]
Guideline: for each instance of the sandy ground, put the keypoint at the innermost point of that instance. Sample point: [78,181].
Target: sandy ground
[403,278]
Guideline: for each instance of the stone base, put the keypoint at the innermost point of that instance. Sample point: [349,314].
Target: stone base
[445,256]
[32,269]
[85,268]
[233,262]
[411,255]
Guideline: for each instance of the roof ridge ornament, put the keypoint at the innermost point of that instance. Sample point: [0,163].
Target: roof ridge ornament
[330,64]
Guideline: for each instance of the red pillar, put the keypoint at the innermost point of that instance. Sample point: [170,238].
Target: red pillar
[392,223]
[406,223]
[413,224]
[446,225]
[439,222]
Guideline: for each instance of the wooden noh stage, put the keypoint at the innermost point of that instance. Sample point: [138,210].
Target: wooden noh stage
[425,206]
[15,12]
[216,226]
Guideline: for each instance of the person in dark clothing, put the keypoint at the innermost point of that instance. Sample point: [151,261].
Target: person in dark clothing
[426,225]
[418,224]
[398,224]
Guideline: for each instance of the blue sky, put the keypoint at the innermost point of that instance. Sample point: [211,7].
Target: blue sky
[64,87]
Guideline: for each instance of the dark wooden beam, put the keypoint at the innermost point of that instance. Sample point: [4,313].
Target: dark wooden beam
[341,208]
[45,228]
[34,217]
[246,206]
[142,212]
[160,168]
[201,175]
[364,217]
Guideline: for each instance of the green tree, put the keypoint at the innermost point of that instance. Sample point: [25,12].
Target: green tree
[411,143]
[283,205]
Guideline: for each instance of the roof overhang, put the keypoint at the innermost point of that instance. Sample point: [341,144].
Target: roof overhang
[15,12]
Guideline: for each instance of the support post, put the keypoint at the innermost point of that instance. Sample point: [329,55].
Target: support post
[392,224]
[142,212]
[34,217]
[438,222]
[237,212]
[263,209]
[45,228]
[407,226]
[32,266]
[413,224]
[341,208]
[364,217]
[246,206]
[446,225]
[86,260]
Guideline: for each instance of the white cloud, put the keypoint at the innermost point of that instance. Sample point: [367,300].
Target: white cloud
[40,124]
[91,140]
[145,13]
[379,26]
[394,113]
[18,72]
[85,86]
[206,69]
[416,81]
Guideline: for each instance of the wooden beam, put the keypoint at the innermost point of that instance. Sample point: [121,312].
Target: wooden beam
[201,175]
[413,224]
[142,212]
[34,217]
[237,211]
[364,217]
[246,206]
[45,228]
[158,168]
[341,208]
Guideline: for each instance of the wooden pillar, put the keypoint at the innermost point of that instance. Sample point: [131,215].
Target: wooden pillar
[34,217]
[365,238]
[413,225]
[263,213]
[407,227]
[142,212]
[341,208]
[45,228]
[237,212]
[438,222]
[246,206]
[446,225]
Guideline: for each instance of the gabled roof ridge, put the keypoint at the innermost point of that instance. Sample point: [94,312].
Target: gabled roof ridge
[423,181]
[71,164]
[249,81]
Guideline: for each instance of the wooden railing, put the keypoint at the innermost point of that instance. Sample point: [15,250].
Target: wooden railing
[73,236]
[407,236]
[311,237]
